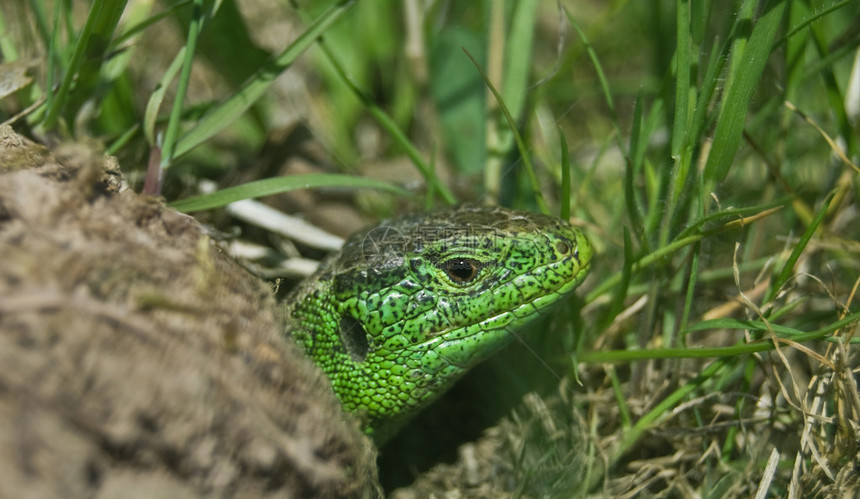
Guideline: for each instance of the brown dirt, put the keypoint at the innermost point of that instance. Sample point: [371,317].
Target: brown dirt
[137,360]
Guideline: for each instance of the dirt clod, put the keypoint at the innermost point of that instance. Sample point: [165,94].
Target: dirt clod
[137,360]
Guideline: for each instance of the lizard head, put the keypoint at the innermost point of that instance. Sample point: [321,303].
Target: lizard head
[422,299]
[415,302]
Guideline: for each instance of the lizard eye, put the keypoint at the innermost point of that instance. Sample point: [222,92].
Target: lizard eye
[461,270]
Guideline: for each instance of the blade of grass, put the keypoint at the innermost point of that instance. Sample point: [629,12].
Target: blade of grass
[815,16]
[683,61]
[87,58]
[229,111]
[685,93]
[788,267]
[390,126]
[762,345]
[689,296]
[693,275]
[621,292]
[731,214]
[150,114]
[122,140]
[640,135]
[521,145]
[631,167]
[515,60]
[459,99]
[139,27]
[198,18]
[598,69]
[565,176]
[620,398]
[834,91]
[37,7]
[675,245]
[517,64]
[748,62]
[276,185]
[710,81]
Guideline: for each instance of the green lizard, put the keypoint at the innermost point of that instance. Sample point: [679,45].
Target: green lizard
[406,308]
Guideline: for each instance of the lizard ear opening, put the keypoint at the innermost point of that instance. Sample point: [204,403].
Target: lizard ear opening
[354,338]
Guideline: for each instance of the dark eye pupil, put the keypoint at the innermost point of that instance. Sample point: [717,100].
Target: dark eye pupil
[461,270]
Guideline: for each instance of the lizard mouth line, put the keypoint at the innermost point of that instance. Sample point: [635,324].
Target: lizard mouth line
[504,325]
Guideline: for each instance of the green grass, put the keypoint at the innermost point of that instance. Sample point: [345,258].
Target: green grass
[706,147]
